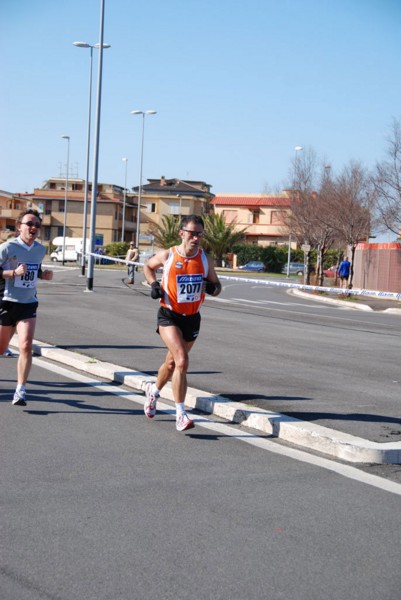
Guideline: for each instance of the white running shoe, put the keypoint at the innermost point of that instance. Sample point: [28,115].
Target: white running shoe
[183,422]
[151,401]
[19,398]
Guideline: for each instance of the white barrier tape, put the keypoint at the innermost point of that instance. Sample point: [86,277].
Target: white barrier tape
[113,259]
[310,288]
[316,288]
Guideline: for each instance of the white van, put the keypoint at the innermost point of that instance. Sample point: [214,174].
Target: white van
[70,253]
[73,247]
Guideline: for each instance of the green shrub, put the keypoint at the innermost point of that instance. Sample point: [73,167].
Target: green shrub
[116,249]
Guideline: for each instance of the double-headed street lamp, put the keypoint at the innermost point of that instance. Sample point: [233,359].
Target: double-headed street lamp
[85,218]
[66,137]
[138,223]
[125,199]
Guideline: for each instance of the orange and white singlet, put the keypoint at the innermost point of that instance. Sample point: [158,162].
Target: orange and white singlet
[182,281]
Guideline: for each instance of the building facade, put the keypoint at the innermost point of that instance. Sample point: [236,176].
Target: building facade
[264,216]
[10,207]
[160,197]
[51,201]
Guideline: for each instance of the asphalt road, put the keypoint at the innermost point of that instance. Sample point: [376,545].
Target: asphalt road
[334,366]
[98,503]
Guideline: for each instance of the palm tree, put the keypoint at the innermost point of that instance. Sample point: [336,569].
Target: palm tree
[166,234]
[220,237]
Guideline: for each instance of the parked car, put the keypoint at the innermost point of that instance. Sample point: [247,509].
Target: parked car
[254,265]
[330,272]
[295,268]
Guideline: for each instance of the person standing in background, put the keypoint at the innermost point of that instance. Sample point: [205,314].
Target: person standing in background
[131,256]
[343,272]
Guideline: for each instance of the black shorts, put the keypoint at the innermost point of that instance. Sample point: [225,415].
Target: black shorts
[12,313]
[188,324]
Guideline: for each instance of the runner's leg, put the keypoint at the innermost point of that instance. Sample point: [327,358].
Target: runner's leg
[6,332]
[175,365]
[25,330]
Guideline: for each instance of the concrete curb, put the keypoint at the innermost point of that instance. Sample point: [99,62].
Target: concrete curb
[300,433]
[345,303]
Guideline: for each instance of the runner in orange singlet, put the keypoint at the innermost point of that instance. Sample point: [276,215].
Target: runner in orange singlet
[187,274]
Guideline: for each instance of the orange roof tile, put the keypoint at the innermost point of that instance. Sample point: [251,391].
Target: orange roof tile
[250,200]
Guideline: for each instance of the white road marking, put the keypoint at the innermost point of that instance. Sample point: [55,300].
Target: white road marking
[230,431]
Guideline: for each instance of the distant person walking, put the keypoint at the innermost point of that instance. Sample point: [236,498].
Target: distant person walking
[20,267]
[187,274]
[131,256]
[343,272]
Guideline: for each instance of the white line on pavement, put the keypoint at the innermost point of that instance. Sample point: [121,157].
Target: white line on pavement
[233,432]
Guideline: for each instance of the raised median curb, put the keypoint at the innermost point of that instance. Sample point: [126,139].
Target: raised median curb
[345,303]
[300,433]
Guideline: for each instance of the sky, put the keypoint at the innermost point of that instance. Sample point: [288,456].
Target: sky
[237,85]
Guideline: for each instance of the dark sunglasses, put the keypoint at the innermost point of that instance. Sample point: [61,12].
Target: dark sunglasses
[32,224]
[194,233]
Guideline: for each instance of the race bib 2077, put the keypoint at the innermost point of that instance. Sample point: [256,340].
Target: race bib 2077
[189,288]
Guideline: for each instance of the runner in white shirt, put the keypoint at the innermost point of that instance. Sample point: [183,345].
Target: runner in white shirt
[20,267]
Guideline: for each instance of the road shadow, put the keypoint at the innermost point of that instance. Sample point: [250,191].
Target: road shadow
[356,417]
[75,396]
[260,398]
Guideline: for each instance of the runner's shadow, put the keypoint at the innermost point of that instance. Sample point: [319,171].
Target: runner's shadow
[81,403]
[111,346]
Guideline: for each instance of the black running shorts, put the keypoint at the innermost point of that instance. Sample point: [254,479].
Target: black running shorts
[188,324]
[12,313]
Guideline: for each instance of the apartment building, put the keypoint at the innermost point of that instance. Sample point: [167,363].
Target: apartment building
[10,207]
[176,197]
[51,200]
[262,214]
[158,197]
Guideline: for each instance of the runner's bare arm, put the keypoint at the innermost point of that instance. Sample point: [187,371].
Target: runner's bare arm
[212,285]
[154,263]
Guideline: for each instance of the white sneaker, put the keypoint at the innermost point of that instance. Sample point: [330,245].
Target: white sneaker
[19,398]
[183,422]
[151,401]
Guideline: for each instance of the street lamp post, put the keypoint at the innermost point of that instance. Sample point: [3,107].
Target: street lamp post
[85,217]
[89,280]
[124,201]
[66,137]
[297,149]
[138,221]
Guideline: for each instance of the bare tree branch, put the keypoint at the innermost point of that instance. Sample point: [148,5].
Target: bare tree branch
[387,182]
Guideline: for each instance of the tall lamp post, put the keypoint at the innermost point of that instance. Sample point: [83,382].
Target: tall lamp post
[297,149]
[85,218]
[89,280]
[138,221]
[125,199]
[66,137]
